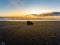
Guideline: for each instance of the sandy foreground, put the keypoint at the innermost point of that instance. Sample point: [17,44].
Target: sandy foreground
[40,33]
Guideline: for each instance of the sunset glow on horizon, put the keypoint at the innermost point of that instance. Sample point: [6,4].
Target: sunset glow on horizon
[26,7]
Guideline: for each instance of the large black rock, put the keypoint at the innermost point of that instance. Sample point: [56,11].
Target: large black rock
[29,23]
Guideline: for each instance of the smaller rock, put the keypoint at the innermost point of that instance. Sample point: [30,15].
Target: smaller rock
[29,23]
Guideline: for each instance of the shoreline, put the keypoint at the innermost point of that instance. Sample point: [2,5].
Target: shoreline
[29,20]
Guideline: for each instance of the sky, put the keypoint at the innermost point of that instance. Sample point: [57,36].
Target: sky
[23,7]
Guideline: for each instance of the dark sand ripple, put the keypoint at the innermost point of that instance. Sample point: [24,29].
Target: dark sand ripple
[41,33]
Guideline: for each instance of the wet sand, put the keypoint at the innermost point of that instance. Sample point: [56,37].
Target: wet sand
[40,33]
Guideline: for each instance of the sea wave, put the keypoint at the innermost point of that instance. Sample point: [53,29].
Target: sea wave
[29,19]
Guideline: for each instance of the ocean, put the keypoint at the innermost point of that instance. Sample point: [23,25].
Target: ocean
[28,19]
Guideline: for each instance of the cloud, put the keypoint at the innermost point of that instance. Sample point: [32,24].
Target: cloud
[16,3]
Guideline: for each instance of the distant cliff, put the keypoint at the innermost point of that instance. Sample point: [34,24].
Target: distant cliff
[48,14]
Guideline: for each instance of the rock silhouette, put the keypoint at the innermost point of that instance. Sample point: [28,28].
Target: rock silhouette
[29,23]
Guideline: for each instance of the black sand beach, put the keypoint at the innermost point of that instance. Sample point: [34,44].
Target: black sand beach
[40,33]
